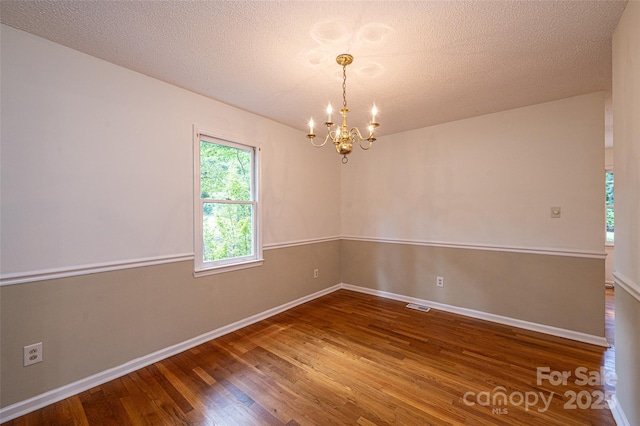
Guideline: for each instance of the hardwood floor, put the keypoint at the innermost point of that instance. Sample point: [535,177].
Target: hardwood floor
[351,358]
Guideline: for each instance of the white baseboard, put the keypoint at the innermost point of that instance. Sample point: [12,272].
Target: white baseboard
[541,328]
[24,407]
[618,414]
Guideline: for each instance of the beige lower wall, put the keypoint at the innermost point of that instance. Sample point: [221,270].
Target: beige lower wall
[627,354]
[95,322]
[558,291]
[609,264]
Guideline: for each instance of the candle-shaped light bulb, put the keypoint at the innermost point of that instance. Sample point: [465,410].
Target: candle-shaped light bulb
[374,111]
[311,126]
[338,132]
[329,111]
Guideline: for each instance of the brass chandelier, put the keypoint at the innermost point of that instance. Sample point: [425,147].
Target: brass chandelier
[342,137]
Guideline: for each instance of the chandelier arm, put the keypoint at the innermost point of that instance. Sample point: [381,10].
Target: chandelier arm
[355,135]
[319,145]
[332,135]
[366,147]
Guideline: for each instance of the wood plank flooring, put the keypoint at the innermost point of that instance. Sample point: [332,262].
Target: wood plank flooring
[355,359]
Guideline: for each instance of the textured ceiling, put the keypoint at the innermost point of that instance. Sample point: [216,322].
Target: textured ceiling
[423,63]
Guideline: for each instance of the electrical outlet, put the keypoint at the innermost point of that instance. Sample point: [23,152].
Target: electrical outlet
[33,354]
[316,273]
[440,281]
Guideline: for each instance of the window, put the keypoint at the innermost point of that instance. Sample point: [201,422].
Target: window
[609,206]
[227,219]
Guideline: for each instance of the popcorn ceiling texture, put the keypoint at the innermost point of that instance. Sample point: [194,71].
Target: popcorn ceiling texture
[423,63]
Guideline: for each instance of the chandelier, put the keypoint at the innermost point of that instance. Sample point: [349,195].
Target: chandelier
[342,137]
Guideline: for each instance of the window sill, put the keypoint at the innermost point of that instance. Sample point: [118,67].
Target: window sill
[609,244]
[227,268]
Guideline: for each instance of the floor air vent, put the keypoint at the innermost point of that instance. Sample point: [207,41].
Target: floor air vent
[418,307]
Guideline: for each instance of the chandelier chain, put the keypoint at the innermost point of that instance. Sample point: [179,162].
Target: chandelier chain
[344,86]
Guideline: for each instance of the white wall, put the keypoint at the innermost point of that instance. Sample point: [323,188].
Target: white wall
[97,163]
[489,180]
[626,123]
[626,133]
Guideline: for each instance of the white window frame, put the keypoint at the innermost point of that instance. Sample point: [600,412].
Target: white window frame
[202,268]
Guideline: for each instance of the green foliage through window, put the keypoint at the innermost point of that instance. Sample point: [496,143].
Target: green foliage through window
[609,211]
[228,208]
[227,231]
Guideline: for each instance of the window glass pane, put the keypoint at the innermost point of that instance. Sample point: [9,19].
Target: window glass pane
[227,230]
[225,172]
[608,200]
[609,189]
[610,224]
